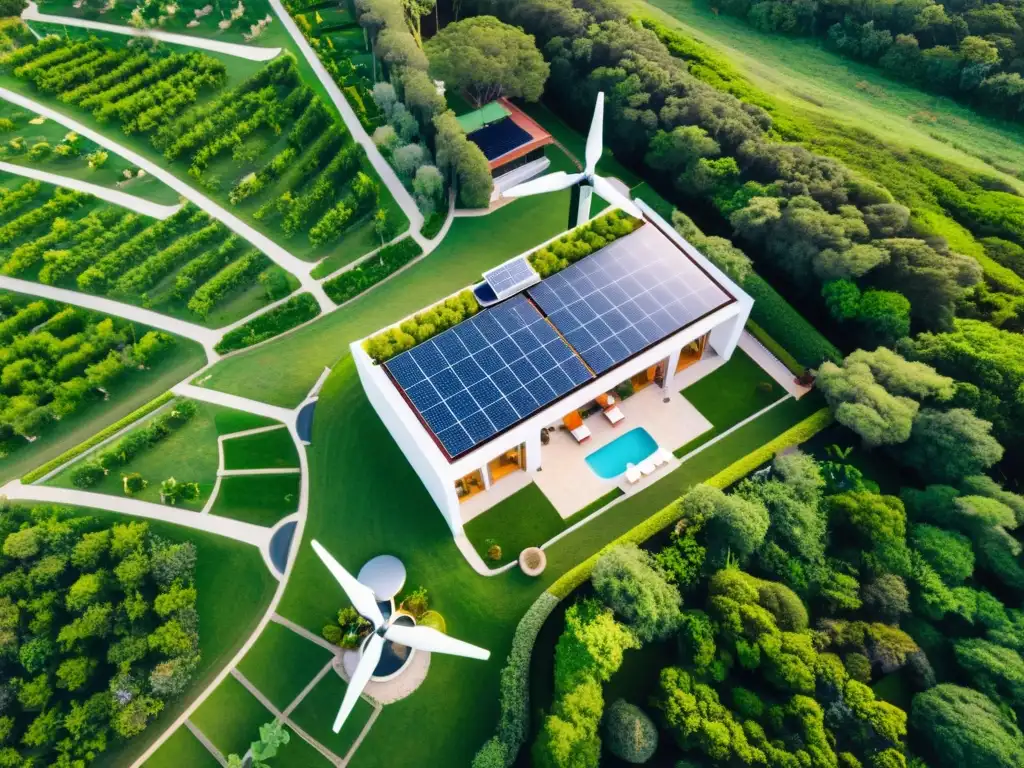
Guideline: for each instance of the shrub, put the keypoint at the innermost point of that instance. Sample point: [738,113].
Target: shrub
[582,241]
[747,703]
[387,261]
[777,317]
[629,733]
[858,667]
[421,327]
[626,580]
[297,310]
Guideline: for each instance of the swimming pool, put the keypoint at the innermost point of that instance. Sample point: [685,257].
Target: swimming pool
[632,448]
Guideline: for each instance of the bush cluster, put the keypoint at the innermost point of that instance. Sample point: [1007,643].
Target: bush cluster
[422,326]
[385,262]
[295,311]
[582,241]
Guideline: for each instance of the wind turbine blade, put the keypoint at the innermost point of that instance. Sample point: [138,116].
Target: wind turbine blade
[607,190]
[367,663]
[362,596]
[427,639]
[550,183]
[595,139]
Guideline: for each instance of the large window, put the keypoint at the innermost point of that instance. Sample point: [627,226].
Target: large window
[692,352]
[470,485]
[507,463]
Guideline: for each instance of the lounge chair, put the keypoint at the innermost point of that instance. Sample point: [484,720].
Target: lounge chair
[574,423]
[633,474]
[610,409]
[663,456]
[658,458]
[646,467]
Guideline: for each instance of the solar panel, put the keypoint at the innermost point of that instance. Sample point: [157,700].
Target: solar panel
[487,373]
[511,277]
[499,138]
[626,297]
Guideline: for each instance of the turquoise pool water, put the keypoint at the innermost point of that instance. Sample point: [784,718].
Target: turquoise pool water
[632,448]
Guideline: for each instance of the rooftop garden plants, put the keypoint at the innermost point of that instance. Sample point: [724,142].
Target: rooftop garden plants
[422,326]
[582,241]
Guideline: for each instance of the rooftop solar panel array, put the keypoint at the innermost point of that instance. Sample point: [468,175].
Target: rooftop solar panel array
[487,373]
[626,297]
[511,276]
[499,138]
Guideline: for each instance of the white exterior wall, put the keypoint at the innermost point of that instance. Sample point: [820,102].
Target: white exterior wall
[439,475]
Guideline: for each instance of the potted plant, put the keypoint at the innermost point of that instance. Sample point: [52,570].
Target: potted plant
[532,561]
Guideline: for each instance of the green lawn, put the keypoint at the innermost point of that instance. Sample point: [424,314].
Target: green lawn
[230,421]
[317,711]
[231,717]
[819,82]
[282,663]
[525,519]
[469,248]
[386,509]
[182,749]
[300,754]
[257,499]
[265,450]
[234,589]
[129,392]
[727,396]
[189,454]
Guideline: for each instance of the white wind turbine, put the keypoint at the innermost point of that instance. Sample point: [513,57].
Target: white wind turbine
[420,638]
[583,184]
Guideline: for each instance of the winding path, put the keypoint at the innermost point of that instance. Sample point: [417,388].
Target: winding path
[384,170]
[207,337]
[257,535]
[123,199]
[301,269]
[250,52]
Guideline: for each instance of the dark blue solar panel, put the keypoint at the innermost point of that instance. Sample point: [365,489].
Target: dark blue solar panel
[487,373]
[629,295]
[499,138]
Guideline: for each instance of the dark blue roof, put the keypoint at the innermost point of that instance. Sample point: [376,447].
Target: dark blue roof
[499,138]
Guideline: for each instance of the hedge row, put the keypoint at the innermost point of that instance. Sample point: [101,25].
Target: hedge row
[387,261]
[513,721]
[422,326]
[795,435]
[775,348]
[779,319]
[293,312]
[96,439]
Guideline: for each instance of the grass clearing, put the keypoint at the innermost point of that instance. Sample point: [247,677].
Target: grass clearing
[316,715]
[231,717]
[257,499]
[807,76]
[469,248]
[182,749]
[524,519]
[300,754]
[126,394]
[266,450]
[726,396]
[282,663]
[189,454]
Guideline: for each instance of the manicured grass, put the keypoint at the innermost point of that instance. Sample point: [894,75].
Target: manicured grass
[234,589]
[825,85]
[282,663]
[524,519]
[257,499]
[264,450]
[182,749]
[300,754]
[595,505]
[469,248]
[386,509]
[229,421]
[127,393]
[728,395]
[231,717]
[317,711]
[189,454]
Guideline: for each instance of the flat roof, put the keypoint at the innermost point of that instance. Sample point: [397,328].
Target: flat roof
[480,378]
[498,139]
[491,112]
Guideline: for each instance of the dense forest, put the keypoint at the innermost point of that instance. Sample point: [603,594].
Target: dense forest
[971,49]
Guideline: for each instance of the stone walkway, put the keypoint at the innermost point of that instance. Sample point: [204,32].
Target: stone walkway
[205,741]
[275,252]
[355,128]
[275,412]
[257,535]
[771,365]
[123,199]
[250,52]
[207,337]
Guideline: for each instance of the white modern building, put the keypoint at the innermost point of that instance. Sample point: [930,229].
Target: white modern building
[476,408]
